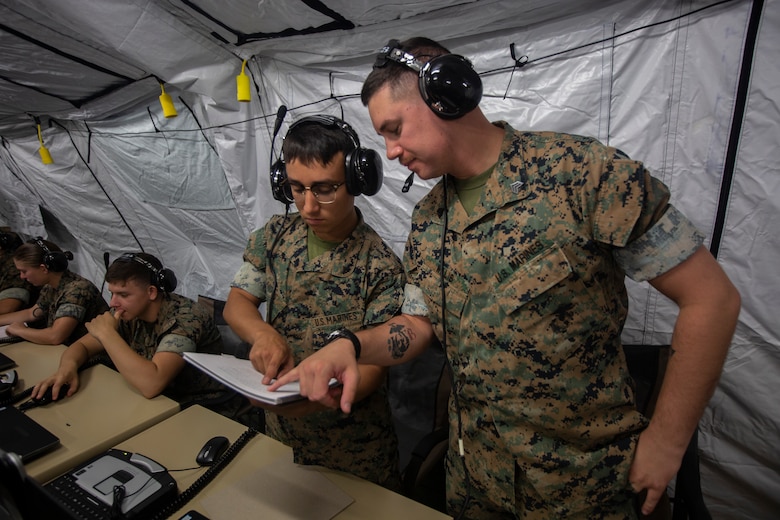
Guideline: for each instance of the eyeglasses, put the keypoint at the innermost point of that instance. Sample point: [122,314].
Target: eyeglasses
[324,193]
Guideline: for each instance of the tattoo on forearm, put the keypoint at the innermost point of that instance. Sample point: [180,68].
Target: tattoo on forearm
[399,340]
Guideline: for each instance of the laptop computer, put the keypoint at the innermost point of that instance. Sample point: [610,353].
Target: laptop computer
[22,435]
[6,362]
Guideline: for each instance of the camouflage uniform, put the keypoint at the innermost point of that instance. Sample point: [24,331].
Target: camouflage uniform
[182,325]
[11,284]
[355,285]
[535,306]
[74,297]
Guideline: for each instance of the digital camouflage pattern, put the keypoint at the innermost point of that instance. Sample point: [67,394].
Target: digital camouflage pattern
[356,285]
[11,284]
[535,306]
[182,325]
[74,297]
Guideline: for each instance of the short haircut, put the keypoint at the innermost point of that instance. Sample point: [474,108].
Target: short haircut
[126,268]
[311,142]
[397,75]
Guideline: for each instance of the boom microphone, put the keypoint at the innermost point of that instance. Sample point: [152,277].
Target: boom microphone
[279,118]
[277,125]
[408,183]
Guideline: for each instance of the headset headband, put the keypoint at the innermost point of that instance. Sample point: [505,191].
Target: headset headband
[448,83]
[162,278]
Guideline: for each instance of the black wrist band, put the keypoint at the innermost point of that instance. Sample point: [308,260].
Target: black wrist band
[346,334]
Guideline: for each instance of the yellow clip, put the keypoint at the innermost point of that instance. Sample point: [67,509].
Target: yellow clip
[43,151]
[167,103]
[242,85]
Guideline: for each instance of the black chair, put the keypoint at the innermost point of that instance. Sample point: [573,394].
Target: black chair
[232,344]
[247,414]
[423,479]
[647,366]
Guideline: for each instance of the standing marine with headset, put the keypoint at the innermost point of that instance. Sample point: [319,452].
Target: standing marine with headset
[145,334]
[66,300]
[516,261]
[321,271]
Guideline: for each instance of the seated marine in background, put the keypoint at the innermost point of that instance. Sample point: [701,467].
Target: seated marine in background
[145,334]
[66,301]
[15,293]
[320,271]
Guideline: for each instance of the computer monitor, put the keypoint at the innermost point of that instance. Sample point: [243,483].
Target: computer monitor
[22,497]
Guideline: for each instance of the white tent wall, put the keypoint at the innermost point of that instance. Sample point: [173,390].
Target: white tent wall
[659,83]
[739,431]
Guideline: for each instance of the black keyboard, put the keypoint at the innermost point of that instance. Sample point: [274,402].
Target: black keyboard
[70,495]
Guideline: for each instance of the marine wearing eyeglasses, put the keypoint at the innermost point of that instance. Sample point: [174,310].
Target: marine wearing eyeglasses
[324,193]
[320,270]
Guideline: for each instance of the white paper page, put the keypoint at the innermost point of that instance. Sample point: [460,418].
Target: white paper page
[241,376]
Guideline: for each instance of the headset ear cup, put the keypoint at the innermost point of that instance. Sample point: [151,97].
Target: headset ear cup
[55,261]
[450,86]
[166,280]
[353,178]
[370,164]
[279,188]
[363,172]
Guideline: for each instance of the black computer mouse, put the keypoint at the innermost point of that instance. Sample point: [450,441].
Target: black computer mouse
[212,450]
[47,396]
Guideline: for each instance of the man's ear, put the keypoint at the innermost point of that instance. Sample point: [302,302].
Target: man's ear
[152,291]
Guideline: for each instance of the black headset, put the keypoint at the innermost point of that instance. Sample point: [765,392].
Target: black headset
[9,241]
[56,261]
[362,166]
[449,85]
[163,278]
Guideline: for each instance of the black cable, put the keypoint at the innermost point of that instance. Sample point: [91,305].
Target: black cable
[280,114]
[189,493]
[94,360]
[286,223]
[611,38]
[200,127]
[454,388]
[740,103]
[222,125]
[100,185]
[116,503]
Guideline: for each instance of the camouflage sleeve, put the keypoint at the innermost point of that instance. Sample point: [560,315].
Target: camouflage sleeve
[256,247]
[70,310]
[620,197]
[16,293]
[414,301]
[385,282]
[176,343]
[192,326]
[74,301]
[45,301]
[250,279]
[670,241]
